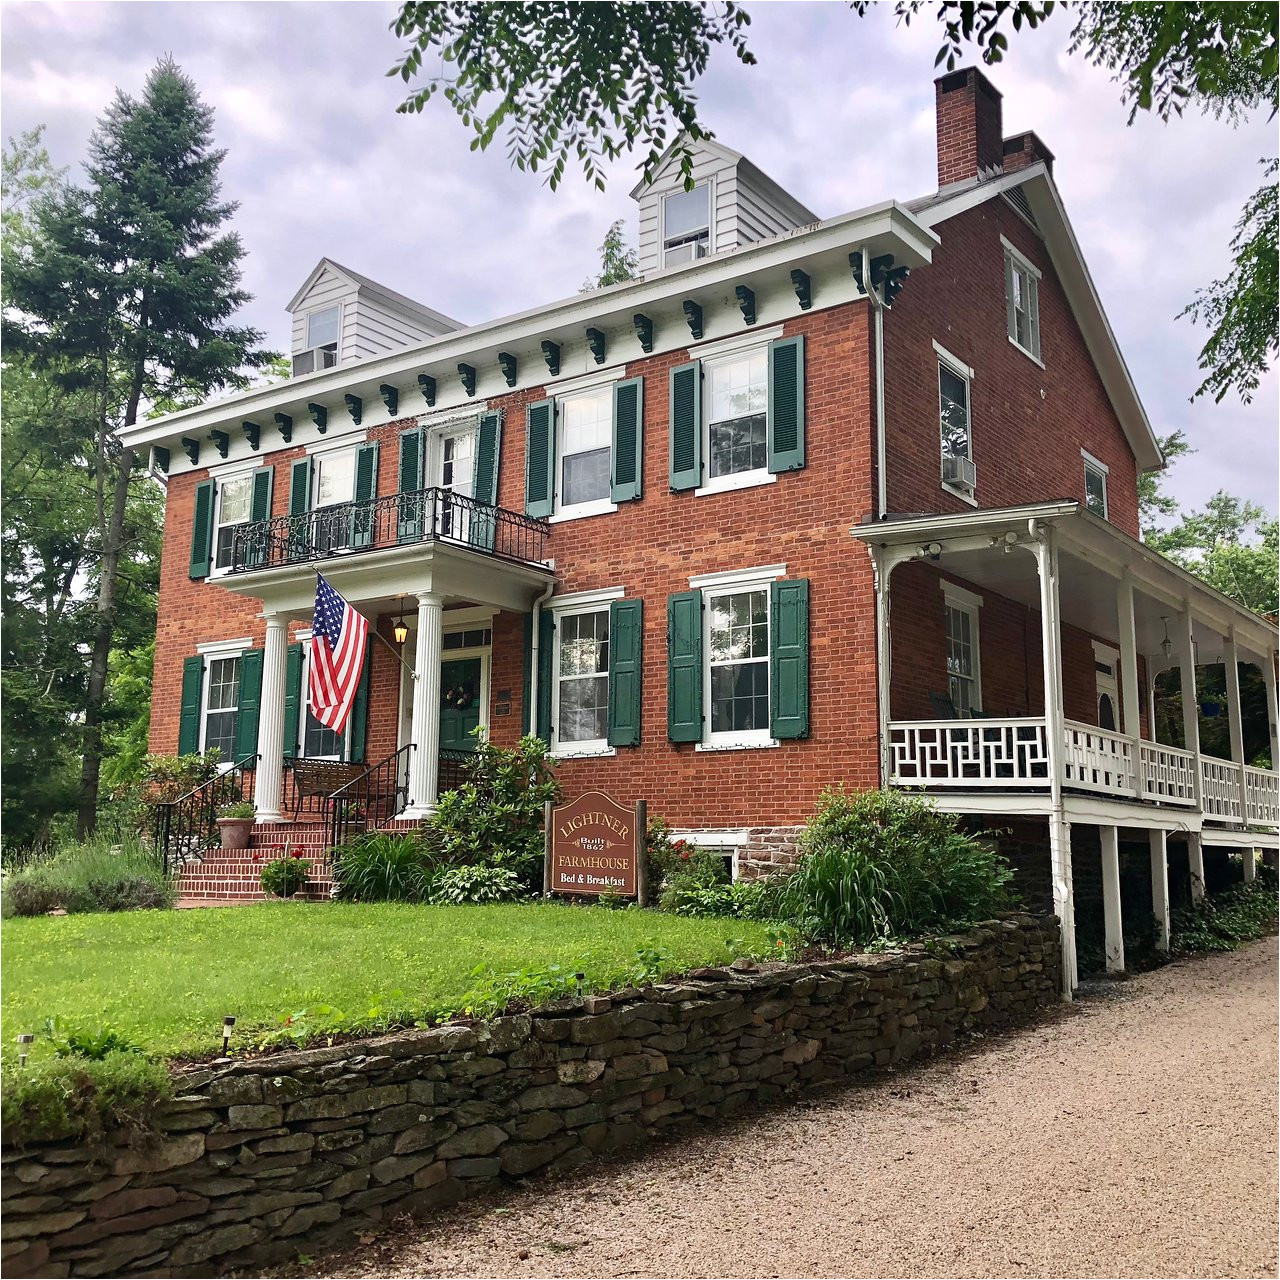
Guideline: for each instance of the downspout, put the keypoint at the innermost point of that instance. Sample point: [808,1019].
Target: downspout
[877,307]
[536,615]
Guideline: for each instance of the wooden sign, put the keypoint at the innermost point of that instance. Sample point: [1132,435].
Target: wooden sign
[593,846]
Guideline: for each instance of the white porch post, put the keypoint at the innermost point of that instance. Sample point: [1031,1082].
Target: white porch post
[1250,858]
[1195,862]
[1190,697]
[269,777]
[1160,885]
[1055,731]
[1150,695]
[1131,724]
[424,761]
[1111,899]
[1231,663]
[1273,713]
[882,566]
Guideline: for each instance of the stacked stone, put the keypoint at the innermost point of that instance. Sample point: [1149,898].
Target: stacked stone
[259,1157]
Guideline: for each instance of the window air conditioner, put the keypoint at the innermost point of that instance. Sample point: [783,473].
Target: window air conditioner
[959,471]
[325,357]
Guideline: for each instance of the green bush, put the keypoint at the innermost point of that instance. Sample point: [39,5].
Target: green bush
[740,899]
[884,864]
[1226,920]
[694,870]
[95,875]
[283,877]
[495,817]
[238,809]
[477,884]
[381,867]
[81,1098]
[78,1043]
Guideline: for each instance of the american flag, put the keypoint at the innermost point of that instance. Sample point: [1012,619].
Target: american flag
[339,636]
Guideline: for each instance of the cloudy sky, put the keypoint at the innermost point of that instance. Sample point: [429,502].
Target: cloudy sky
[839,111]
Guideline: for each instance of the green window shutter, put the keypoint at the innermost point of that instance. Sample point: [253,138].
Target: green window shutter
[292,699]
[1010,321]
[362,531]
[685,447]
[488,456]
[299,505]
[250,703]
[626,638]
[189,715]
[527,674]
[202,529]
[789,658]
[360,709]
[546,665]
[628,440]
[540,458]
[786,404]
[684,667]
[256,549]
[409,518]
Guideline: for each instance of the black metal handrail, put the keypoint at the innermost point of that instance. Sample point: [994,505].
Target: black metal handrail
[183,829]
[427,515]
[369,800]
[453,769]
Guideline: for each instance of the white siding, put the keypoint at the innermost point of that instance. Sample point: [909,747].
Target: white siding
[329,288]
[707,166]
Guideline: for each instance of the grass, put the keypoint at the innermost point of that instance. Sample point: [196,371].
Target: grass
[165,979]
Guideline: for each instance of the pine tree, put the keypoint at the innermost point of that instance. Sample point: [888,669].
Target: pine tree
[126,292]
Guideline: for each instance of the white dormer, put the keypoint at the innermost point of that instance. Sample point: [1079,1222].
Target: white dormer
[340,316]
[732,203]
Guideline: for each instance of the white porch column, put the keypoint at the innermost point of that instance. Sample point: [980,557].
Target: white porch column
[1250,857]
[1150,696]
[1130,723]
[1195,861]
[1160,886]
[268,780]
[1055,731]
[424,761]
[882,566]
[1190,697]
[1231,664]
[1273,713]
[1111,899]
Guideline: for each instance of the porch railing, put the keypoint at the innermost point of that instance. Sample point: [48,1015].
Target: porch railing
[1220,790]
[182,830]
[1098,760]
[1262,797]
[369,800]
[970,753]
[349,528]
[1168,774]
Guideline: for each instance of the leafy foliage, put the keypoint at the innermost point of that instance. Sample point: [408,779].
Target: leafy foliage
[741,899]
[78,1042]
[283,877]
[381,867]
[1226,920]
[95,875]
[618,262]
[887,864]
[477,884]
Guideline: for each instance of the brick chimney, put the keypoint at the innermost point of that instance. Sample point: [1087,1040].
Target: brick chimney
[970,144]
[1024,149]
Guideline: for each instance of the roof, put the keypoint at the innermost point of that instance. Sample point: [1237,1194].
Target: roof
[364,284]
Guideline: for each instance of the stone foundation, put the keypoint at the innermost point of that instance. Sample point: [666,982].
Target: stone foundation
[261,1158]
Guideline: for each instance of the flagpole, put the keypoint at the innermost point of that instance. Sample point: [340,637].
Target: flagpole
[377,635]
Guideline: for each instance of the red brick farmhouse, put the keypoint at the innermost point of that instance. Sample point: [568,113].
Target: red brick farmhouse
[771,517]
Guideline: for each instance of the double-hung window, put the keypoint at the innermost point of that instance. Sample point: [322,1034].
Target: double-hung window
[333,490]
[737,397]
[1095,485]
[1022,301]
[959,474]
[584,451]
[964,671]
[221,702]
[686,225]
[737,624]
[322,328]
[235,497]
[580,711]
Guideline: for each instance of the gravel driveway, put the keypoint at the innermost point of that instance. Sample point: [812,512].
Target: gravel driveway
[1134,1135]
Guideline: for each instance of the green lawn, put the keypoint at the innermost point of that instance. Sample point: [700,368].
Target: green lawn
[166,978]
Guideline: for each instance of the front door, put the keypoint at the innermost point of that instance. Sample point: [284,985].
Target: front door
[1108,691]
[459,703]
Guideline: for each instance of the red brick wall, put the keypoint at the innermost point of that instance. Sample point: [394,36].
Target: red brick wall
[1029,424]
[969,125]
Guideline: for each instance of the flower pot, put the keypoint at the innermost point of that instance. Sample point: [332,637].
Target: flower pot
[233,833]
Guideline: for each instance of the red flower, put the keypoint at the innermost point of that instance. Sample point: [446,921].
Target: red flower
[297,853]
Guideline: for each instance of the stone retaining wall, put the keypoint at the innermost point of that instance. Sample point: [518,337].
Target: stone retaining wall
[262,1158]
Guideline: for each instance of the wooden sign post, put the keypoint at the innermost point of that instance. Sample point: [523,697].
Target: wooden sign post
[594,846]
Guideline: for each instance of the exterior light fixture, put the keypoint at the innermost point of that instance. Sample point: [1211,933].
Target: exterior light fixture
[581,980]
[1166,645]
[401,629]
[24,1040]
[227,1023]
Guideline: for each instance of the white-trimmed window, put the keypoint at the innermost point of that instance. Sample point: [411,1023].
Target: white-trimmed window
[686,225]
[736,387]
[959,475]
[1022,301]
[333,484]
[1095,484]
[235,499]
[727,845]
[221,703]
[322,331]
[584,451]
[580,693]
[964,663]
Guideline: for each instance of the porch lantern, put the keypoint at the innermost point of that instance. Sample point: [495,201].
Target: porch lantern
[401,628]
[1166,645]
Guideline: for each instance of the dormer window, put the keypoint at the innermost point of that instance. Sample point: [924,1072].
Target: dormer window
[686,225]
[322,341]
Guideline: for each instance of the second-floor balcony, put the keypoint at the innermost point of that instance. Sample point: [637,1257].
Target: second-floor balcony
[435,515]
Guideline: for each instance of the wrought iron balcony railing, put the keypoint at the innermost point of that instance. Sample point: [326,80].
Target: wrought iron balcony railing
[348,528]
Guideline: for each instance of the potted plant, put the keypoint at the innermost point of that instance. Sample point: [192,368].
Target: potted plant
[285,876]
[235,822]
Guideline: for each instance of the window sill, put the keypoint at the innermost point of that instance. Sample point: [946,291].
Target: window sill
[728,484]
[738,744]
[587,751]
[963,494]
[1017,346]
[582,512]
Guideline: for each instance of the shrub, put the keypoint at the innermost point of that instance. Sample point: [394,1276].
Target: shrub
[96,1044]
[887,864]
[95,875]
[82,1098]
[285,876]
[495,817]
[477,884]
[1225,920]
[381,867]
[741,899]
[30,893]
[238,809]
